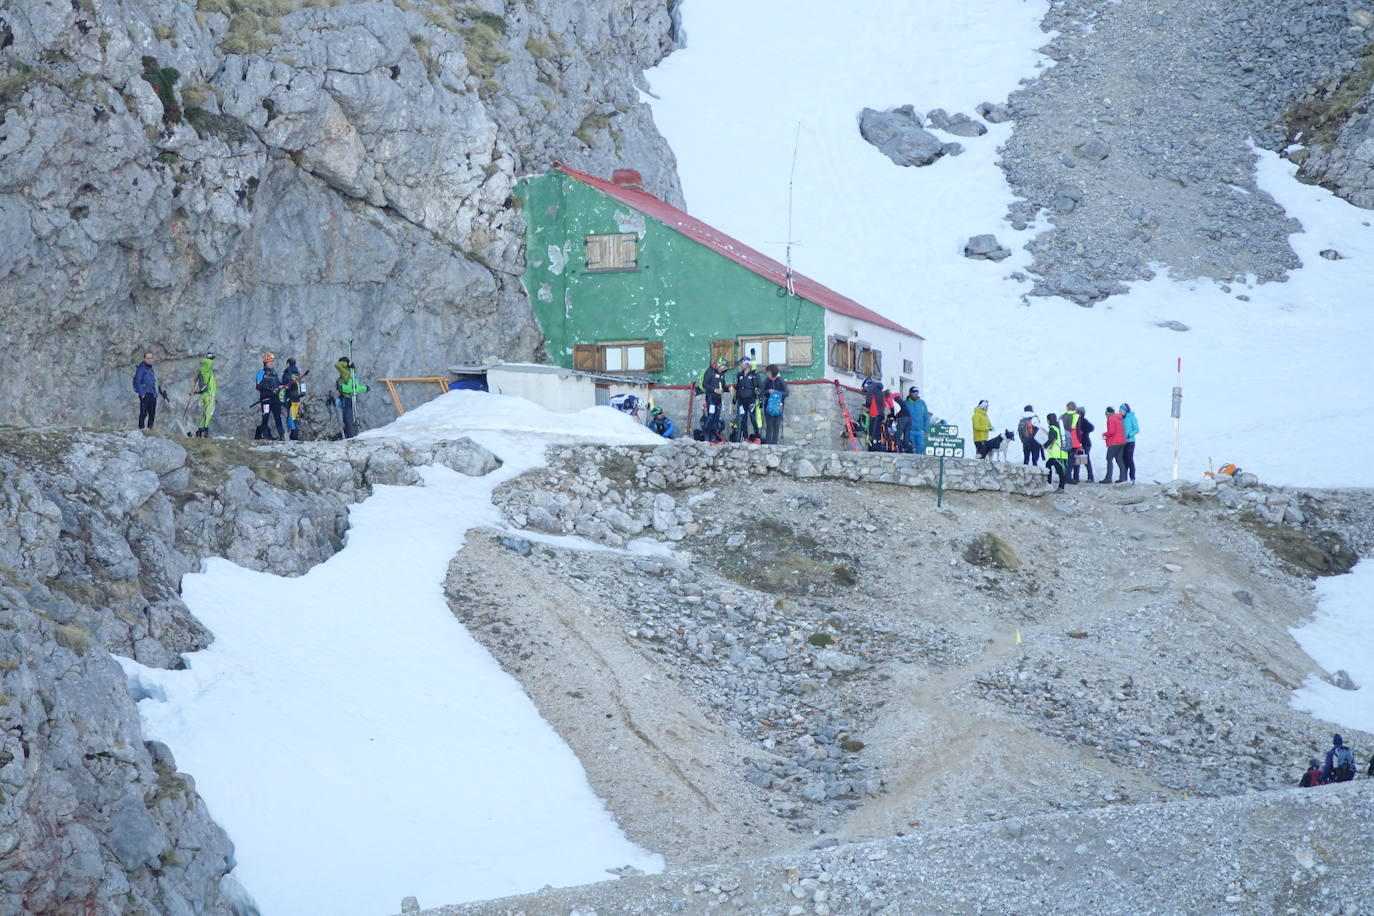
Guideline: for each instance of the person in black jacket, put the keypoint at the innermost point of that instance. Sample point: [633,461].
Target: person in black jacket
[772,423]
[291,394]
[713,390]
[269,400]
[747,386]
[1313,776]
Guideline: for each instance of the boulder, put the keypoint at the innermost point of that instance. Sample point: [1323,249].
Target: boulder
[898,135]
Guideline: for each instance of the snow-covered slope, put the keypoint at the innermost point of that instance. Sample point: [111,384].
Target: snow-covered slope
[1271,384]
[352,738]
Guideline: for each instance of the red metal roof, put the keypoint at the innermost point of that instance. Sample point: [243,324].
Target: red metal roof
[735,250]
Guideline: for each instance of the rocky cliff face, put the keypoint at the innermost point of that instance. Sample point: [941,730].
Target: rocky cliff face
[288,175]
[95,534]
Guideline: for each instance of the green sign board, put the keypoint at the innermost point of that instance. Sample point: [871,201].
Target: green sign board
[943,429]
[944,446]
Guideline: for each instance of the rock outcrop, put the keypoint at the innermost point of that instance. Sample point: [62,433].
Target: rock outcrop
[95,534]
[290,175]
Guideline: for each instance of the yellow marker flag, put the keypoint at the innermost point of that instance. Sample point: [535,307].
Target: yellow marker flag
[1018,636]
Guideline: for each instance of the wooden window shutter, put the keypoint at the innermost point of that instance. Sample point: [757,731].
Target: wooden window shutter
[595,249]
[627,251]
[653,356]
[724,347]
[586,358]
[799,351]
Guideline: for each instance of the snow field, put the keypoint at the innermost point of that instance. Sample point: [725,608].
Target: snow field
[1255,372]
[353,739]
[1340,636]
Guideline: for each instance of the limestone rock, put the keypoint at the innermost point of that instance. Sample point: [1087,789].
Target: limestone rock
[898,135]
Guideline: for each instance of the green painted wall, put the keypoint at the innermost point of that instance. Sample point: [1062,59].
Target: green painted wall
[683,293]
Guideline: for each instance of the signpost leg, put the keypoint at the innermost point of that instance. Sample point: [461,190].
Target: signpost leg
[940,486]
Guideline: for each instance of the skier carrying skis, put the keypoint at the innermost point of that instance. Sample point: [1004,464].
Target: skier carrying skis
[291,394]
[206,388]
[712,385]
[747,387]
[269,399]
[349,387]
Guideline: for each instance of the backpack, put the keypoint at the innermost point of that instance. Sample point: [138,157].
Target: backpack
[773,406]
[1342,765]
[1025,429]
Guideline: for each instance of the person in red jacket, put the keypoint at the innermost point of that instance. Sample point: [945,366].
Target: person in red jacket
[1313,776]
[1115,438]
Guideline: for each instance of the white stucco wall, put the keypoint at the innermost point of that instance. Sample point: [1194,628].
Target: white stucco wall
[564,392]
[894,346]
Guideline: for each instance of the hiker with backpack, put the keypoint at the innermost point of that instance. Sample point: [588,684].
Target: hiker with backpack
[774,398]
[1056,455]
[1079,428]
[291,395]
[268,386]
[901,412]
[874,400]
[348,386]
[1340,762]
[1027,428]
[1313,776]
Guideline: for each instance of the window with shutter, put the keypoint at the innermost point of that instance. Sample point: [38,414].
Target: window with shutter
[799,351]
[586,358]
[626,356]
[605,253]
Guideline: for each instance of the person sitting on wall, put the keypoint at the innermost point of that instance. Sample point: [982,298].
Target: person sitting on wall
[660,423]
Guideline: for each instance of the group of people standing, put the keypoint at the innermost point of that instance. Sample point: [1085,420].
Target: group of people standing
[279,396]
[1065,442]
[1339,766]
[757,403]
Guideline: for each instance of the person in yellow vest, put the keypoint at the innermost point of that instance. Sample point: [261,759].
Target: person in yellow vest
[982,426]
[1055,452]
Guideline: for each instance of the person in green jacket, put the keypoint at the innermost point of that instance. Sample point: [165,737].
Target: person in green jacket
[206,387]
[349,387]
[982,426]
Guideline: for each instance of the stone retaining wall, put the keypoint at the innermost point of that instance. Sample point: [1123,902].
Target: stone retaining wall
[682,465]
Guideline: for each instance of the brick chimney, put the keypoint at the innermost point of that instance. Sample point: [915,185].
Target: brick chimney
[628,178]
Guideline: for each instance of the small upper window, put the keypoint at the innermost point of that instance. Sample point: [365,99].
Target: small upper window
[605,253]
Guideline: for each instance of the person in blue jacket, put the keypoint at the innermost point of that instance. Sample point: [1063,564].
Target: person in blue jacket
[145,386]
[1339,765]
[1132,427]
[920,420]
[662,424]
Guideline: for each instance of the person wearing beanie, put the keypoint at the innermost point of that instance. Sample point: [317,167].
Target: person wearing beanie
[1115,438]
[1339,765]
[348,387]
[145,387]
[1131,425]
[1027,428]
[920,419]
[206,387]
[982,427]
